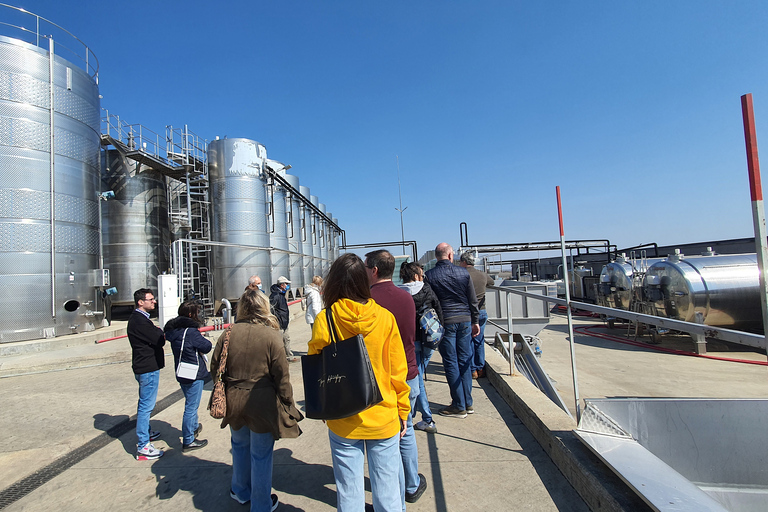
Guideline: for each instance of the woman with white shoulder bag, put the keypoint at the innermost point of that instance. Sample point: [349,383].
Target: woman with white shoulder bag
[191,367]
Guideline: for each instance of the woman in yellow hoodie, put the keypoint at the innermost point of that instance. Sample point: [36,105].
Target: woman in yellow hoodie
[378,429]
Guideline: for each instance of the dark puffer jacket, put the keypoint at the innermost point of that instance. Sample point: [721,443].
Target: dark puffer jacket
[453,287]
[195,344]
[279,305]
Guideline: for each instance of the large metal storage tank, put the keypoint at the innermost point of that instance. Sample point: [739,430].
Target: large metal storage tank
[333,247]
[49,186]
[307,250]
[616,281]
[136,234]
[238,192]
[323,237]
[317,258]
[724,289]
[296,258]
[278,232]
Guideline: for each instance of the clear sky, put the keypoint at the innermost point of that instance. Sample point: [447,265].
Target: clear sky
[631,107]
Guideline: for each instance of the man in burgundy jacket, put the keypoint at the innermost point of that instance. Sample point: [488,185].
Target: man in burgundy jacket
[381,266]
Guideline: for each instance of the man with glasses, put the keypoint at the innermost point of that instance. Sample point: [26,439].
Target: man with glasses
[147,342]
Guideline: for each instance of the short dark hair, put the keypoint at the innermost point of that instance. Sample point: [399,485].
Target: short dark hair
[347,279]
[190,309]
[140,294]
[383,261]
[409,270]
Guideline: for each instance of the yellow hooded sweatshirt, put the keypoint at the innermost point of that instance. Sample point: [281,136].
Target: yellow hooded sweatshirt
[385,349]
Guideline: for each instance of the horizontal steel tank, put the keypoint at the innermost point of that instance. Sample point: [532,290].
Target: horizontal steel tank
[49,184]
[616,288]
[239,214]
[723,290]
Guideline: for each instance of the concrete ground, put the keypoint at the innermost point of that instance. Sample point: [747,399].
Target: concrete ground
[68,442]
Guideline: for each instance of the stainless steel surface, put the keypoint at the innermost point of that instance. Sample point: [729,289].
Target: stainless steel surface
[278,233]
[616,287]
[136,231]
[239,216]
[723,289]
[324,238]
[31,218]
[296,259]
[529,315]
[684,454]
[317,258]
[307,251]
[335,240]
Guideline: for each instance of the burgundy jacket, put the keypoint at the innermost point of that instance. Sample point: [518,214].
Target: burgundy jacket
[400,304]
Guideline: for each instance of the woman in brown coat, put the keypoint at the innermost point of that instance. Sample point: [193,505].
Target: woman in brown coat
[260,406]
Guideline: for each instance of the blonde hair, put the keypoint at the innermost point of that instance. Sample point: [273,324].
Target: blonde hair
[253,307]
[317,281]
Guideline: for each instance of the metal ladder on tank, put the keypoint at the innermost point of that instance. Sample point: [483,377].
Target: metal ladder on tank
[189,210]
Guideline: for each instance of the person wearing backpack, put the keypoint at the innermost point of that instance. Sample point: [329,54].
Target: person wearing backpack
[412,275]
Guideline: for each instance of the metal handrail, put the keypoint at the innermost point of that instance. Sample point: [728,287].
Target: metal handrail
[88,61]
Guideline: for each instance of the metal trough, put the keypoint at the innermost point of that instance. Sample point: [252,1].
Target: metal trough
[684,454]
[529,315]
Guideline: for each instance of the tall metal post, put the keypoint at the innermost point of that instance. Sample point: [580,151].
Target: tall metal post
[568,308]
[758,209]
[401,209]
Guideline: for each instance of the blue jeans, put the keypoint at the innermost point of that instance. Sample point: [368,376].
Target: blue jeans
[456,349]
[423,355]
[192,394]
[408,450]
[385,470]
[148,384]
[252,467]
[478,343]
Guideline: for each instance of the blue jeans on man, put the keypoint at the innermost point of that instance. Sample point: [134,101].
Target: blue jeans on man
[478,344]
[456,349]
[192,394]
[423,355]
[385,470]
[148,384]
[252,467]
[408,450]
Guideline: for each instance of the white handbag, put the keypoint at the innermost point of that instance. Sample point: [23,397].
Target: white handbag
[186,370]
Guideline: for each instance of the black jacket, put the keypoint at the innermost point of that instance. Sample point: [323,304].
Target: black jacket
[453,287]
[279,305]
[194,345]
[147,342]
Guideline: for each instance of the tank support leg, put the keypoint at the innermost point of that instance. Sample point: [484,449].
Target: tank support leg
[701,343]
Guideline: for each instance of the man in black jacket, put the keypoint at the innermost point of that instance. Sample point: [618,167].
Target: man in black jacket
[454,289]
[147,342]
[280,309]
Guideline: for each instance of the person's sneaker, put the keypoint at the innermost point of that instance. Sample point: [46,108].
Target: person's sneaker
[414,497]
[234,497]
[426,427]
[198,429]
[453,412]
[149,452]
[275,503]
[154,435]
[194,445]
[470,409]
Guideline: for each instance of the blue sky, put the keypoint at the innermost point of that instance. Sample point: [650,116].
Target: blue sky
[631,107]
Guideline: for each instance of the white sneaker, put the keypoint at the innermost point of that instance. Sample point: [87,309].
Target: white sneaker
[149,452]
[154,435]
[426,427]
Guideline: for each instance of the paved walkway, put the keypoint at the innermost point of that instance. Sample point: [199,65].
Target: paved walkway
[68,445]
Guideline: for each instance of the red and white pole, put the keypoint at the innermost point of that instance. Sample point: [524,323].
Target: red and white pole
[758,209]
[568,307]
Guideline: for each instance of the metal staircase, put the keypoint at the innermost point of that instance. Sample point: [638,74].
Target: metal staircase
[181,156]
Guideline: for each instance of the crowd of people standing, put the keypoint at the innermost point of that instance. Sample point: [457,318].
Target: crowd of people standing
[255,353]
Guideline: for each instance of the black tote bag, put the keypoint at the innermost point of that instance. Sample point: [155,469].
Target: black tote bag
[339,382]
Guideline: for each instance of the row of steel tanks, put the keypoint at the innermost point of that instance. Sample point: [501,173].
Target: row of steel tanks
[720,290]
[249,209]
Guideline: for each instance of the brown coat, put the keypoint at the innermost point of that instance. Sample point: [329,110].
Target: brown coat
[258,382]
